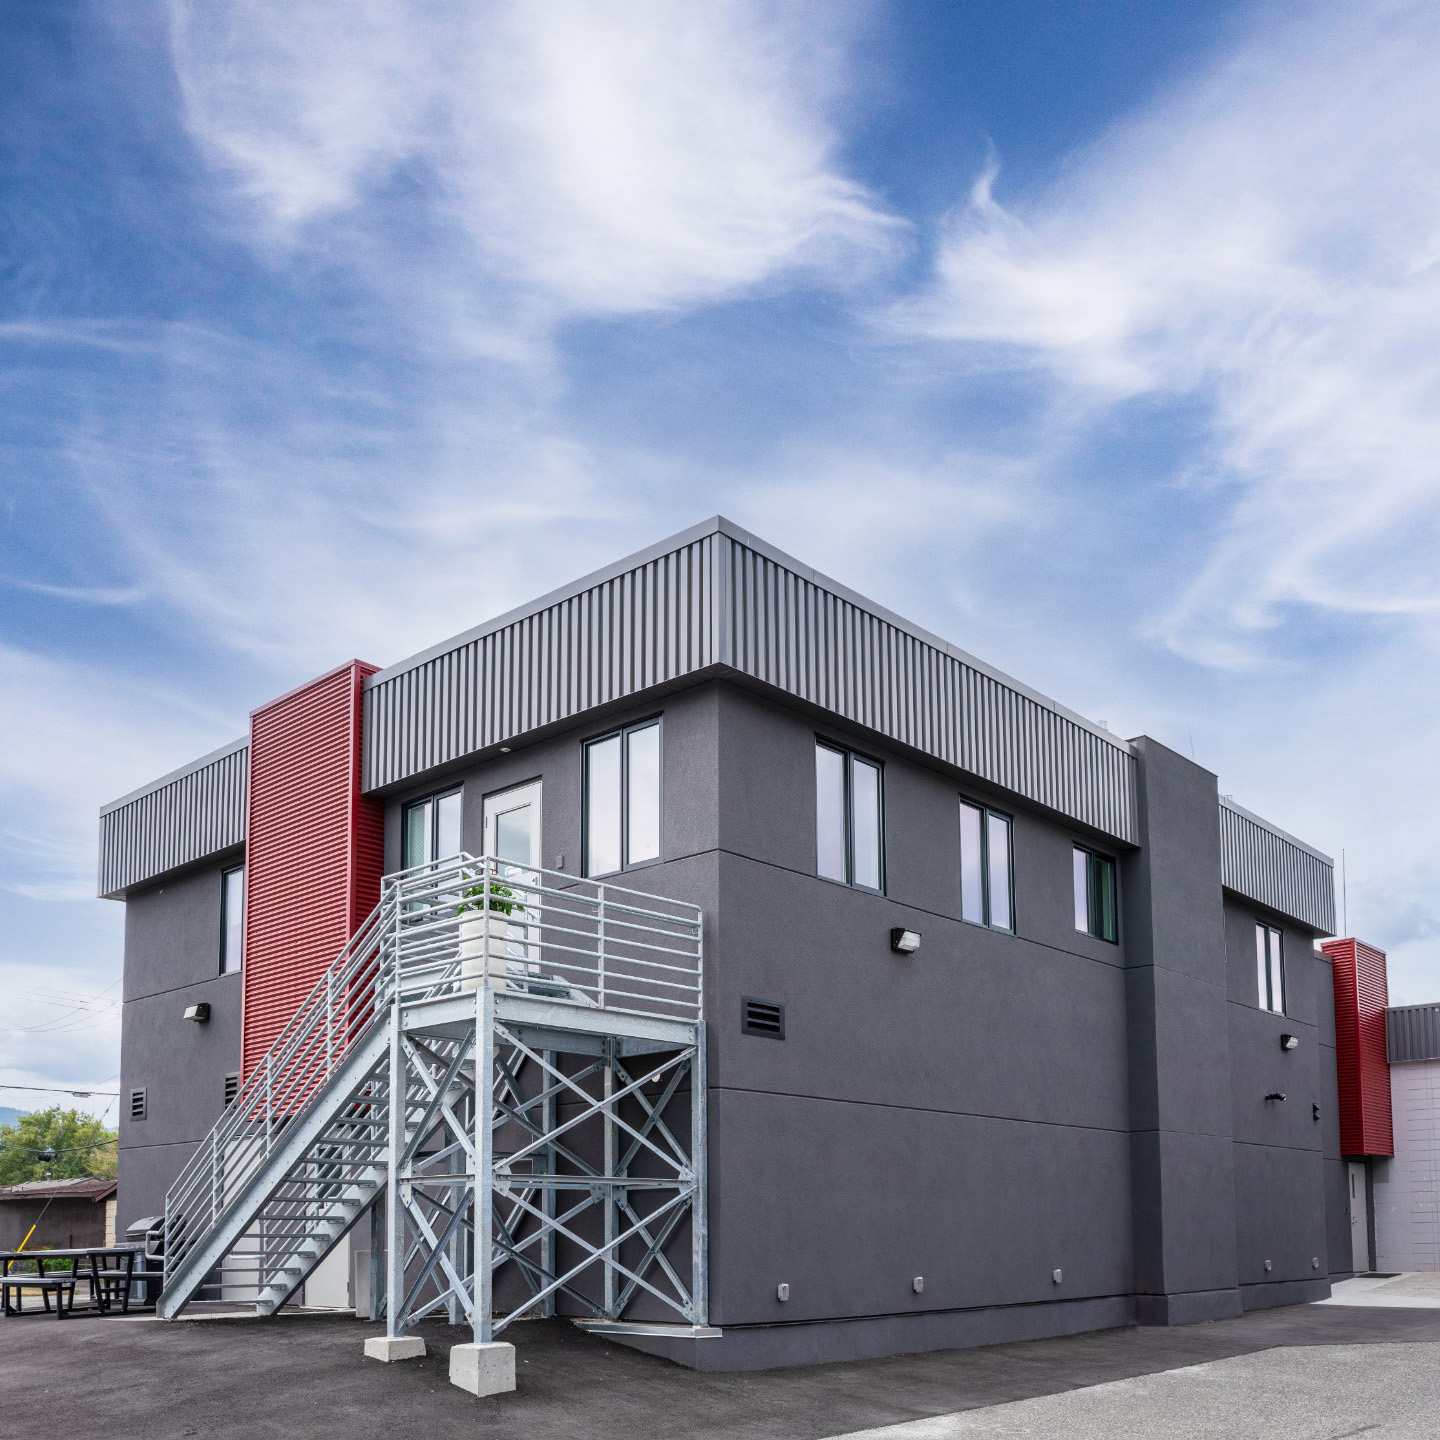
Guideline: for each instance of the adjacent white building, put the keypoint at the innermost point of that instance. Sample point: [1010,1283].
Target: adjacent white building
[1406,1188]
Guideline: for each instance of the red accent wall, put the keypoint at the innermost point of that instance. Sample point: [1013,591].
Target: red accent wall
[1361,1062]
[314,851]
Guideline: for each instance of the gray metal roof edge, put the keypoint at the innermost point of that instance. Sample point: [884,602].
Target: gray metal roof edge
[1421,1005]
[552,597]
[1285,835]
[718,524]
[243,743]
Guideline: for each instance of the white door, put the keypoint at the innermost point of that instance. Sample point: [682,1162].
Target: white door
[1359,1219]
[512,828]
[512,836]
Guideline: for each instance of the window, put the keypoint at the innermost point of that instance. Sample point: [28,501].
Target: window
[1270,967]
[1095,895]
[849,818]
[232,920]
[986,869]
[432,829]
[622,799]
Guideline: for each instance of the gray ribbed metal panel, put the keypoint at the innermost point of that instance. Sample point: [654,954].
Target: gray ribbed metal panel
[810,638]
[620,634]
[1412,1032]
[1275,870]
[181,819]
[716,597]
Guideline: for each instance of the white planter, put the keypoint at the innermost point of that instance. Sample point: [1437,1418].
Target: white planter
[484,960]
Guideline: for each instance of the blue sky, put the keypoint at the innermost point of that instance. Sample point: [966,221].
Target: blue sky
[1100,339]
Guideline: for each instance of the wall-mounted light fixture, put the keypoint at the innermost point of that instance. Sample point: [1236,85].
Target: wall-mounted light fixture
[1276,1095]
[199,1013]
[1289,1042]
[904,942]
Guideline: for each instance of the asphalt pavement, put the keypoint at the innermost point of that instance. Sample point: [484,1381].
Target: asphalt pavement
[304,1375]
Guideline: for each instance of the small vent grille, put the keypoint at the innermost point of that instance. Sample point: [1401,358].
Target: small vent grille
[762,1017]
[232,1089]
[137,1104]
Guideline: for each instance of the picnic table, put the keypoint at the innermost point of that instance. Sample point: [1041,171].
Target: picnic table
[107,1270]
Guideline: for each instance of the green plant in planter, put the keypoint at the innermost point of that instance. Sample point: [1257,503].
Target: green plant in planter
[502,900]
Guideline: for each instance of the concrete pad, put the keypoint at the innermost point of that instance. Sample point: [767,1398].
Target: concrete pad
[1412,1290]
[1302,1393]
[388,1349]
[483,1369]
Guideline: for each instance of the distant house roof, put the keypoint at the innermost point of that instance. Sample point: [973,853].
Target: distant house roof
[82,1189]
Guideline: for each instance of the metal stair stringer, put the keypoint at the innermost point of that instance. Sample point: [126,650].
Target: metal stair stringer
[300,1202]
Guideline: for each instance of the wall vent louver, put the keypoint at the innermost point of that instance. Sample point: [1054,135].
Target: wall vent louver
[762,1017]
[137,1104]
[232,1089]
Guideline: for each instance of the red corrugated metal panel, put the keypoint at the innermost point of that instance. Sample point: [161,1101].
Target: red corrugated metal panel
[314,851]
[1361,1063]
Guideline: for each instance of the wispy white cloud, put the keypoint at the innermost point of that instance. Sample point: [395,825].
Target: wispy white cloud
[601,159]
[1263,241]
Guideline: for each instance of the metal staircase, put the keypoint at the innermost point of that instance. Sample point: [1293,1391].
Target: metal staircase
[544,1036]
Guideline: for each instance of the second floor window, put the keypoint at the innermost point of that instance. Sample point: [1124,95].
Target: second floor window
[232,920]
[622,799]
[986,872]
[432,829]
[1095,894]
[1270,967]
[848,818]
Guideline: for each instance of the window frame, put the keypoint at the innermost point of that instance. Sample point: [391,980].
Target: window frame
[1271,931]
[986,811]
[1092,907]
[429,799]
[622,733]
[850,756]
[225,875]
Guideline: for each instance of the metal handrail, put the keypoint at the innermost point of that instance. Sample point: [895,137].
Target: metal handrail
[442,929]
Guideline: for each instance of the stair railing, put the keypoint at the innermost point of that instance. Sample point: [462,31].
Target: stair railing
[444,929]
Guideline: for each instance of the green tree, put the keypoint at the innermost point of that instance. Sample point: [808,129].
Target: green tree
[56,1144]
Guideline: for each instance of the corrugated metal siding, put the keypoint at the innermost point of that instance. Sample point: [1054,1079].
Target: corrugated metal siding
[788,631]
[1361,1066]
[1258,862]
[313,860]
[181,821]
[1412,1032]
[622,636]
[718,601]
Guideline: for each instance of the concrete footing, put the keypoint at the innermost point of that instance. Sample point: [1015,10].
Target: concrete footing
[483,1369]
[389,1348]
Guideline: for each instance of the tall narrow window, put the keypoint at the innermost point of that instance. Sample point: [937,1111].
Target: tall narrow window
[1095,912]
[1270,967]
[622,799]
[232,920]
[986,867]
[432,829]
[849,818]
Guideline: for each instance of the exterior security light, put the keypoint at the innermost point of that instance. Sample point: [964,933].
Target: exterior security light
[904,942]
[782,1292]
[199,1013]
[1289,1042]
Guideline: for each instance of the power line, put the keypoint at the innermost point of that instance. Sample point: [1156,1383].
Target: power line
[49,1154]
[63,1090]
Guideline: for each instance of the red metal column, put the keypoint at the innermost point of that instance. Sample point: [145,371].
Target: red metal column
[314,851]
[1361,1061]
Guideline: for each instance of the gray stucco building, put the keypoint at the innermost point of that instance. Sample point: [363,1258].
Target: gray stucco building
[1098,1088]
